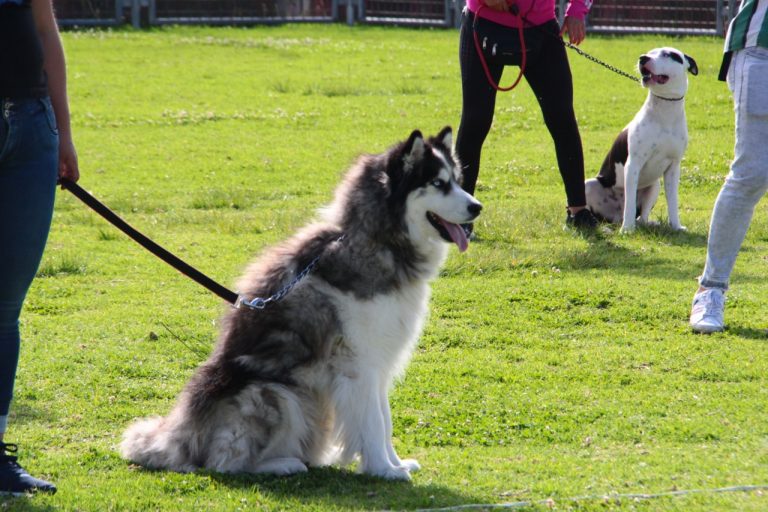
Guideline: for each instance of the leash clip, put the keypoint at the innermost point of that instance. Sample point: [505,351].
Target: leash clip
[261,303]
[256,303]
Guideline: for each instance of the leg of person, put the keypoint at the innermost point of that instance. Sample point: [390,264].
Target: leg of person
[28,172]
[746,183]
[549,75]
[478,103]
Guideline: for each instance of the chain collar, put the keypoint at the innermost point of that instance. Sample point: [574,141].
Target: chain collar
[262,303]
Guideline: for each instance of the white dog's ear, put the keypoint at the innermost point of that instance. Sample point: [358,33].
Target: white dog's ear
[693,68]
[446,137]
[414,149]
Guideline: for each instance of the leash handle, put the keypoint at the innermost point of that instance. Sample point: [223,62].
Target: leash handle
[478,48]
[183,267]
[521,19]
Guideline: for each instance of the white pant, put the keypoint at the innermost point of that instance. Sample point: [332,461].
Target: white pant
[748,180]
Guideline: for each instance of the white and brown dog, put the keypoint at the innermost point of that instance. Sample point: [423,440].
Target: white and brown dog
[651,146]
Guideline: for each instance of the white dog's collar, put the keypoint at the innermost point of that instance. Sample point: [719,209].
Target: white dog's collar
[668,99]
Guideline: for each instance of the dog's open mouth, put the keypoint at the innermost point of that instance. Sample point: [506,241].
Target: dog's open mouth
[649,77]
[449,231]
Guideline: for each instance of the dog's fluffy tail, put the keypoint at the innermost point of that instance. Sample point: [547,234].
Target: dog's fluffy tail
[151,443]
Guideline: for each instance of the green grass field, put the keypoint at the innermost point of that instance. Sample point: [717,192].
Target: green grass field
[553,366]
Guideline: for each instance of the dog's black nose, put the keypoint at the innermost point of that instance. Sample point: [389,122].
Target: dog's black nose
[644,59]
[474,208]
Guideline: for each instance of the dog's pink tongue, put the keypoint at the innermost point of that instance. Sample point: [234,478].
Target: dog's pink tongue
[456,233]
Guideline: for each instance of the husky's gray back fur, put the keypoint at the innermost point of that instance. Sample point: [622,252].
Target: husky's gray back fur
[267,391]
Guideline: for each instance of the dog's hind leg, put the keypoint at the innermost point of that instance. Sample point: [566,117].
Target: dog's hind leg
[604,202]
[281,466]
[646,200]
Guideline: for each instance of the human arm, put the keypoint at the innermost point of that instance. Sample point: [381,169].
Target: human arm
[55,69]
[573,23]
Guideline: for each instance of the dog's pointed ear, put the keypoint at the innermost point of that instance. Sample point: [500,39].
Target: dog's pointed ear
[414,148]
[446,137]
[693,68]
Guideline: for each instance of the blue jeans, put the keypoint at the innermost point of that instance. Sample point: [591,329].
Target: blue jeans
[748,180]
[29,156]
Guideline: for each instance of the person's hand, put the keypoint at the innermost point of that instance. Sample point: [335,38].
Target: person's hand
[576,29]
[497,5]
[68,167]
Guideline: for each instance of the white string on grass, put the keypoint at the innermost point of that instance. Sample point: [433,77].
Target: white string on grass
[606,498]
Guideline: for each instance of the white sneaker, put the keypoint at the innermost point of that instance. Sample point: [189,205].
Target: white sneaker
[707,310]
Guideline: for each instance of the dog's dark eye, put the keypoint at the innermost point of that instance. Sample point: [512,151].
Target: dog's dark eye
[674,56]
[437,183]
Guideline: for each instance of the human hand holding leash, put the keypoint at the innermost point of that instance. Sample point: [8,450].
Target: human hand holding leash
[575,28]
[68,166]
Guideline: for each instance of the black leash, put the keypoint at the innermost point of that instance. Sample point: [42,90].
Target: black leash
[183,267]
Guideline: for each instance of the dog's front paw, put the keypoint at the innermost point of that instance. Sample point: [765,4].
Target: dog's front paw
[627,230]
[680,228]
[410,465]
[389,473]
[282,466]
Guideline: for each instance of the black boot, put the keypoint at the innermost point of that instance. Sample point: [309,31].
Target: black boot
[14,480]
[582,220]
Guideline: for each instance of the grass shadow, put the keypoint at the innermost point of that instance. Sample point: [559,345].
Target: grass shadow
[23,504]
[663,231]
[604,253]
[657,231]
[22,414]
[748,332]
[340,488]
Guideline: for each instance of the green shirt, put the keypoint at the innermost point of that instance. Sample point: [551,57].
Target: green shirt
[749,27]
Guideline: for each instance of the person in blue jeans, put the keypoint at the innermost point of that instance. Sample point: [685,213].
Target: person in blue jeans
[36,149]
[745,68]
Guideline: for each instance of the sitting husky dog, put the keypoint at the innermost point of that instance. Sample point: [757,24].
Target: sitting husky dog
[651,146]
[305,381]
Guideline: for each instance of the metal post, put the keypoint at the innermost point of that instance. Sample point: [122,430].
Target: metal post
[719,15]
[350,5]
[136,13]
[458,6]
[561,11]
[361,10]
[152,12]
[350,12]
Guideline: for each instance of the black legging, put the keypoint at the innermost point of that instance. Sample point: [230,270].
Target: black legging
[549,75]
